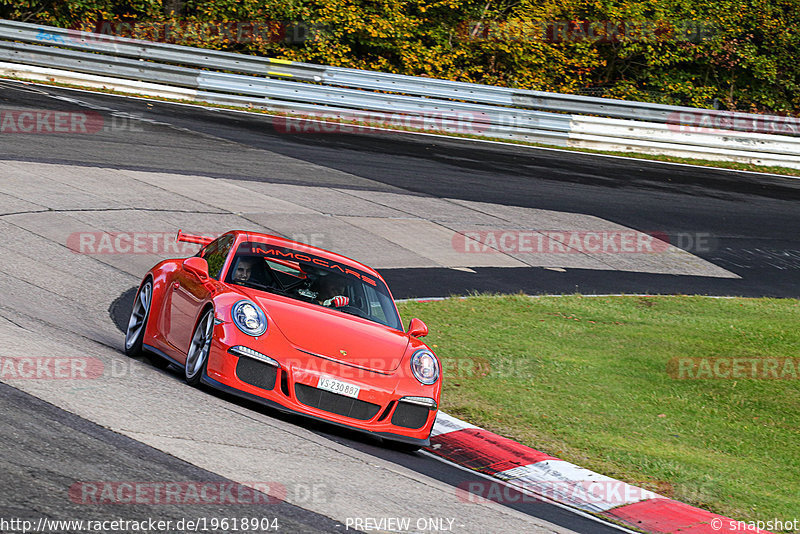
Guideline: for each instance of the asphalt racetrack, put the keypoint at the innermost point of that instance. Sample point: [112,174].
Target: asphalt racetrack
[745,223]
[399,202]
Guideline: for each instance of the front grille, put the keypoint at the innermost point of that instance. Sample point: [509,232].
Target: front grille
[255,373]
[410,415]
[335,403]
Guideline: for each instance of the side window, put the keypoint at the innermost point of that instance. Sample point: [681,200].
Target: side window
[215,254]
[375,303]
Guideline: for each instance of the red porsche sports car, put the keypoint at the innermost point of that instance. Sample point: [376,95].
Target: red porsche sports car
[295,327]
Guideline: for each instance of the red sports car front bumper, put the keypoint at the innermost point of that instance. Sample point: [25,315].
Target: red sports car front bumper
[392,405]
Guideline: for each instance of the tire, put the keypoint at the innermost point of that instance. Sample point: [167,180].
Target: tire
[197,356]
[137,324]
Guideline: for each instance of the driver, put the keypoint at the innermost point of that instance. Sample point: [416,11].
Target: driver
[331,291]
[244,269]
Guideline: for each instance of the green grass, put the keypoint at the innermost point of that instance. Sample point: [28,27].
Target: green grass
[732,165]
[586,379]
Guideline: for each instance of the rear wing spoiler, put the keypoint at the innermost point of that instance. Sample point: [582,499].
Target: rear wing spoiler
[189,238]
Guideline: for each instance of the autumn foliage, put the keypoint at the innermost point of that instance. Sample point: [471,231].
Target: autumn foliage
[729,54]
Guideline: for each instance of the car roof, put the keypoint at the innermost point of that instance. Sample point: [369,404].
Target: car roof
[327,254]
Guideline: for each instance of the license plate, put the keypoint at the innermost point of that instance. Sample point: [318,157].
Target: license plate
[337,386]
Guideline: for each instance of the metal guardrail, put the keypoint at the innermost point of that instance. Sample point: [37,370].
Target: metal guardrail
[369,80]
[100,64]
[358,95]
[506,122]
[152,51]
[277,85]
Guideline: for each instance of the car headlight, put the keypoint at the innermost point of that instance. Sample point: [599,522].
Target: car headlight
[425,367]
[249,318]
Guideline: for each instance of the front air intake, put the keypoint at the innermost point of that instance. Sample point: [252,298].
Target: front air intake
[256,373]
[408,415]
[335,403]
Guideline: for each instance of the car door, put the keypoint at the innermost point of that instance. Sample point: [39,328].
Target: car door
[188,293]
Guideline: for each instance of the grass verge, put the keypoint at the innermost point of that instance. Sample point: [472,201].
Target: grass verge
[594,381]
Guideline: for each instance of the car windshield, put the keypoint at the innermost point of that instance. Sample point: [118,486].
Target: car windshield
[301,275]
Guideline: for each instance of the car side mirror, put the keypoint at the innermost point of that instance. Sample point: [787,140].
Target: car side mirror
[196,266]
[417,328]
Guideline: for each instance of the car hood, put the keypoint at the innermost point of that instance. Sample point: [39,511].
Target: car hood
[335,335]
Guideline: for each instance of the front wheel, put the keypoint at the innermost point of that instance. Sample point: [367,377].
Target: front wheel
[137,324]
[197,357]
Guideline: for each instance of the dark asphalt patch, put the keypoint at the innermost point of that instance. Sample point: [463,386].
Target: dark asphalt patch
[425,282]
[45,451]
